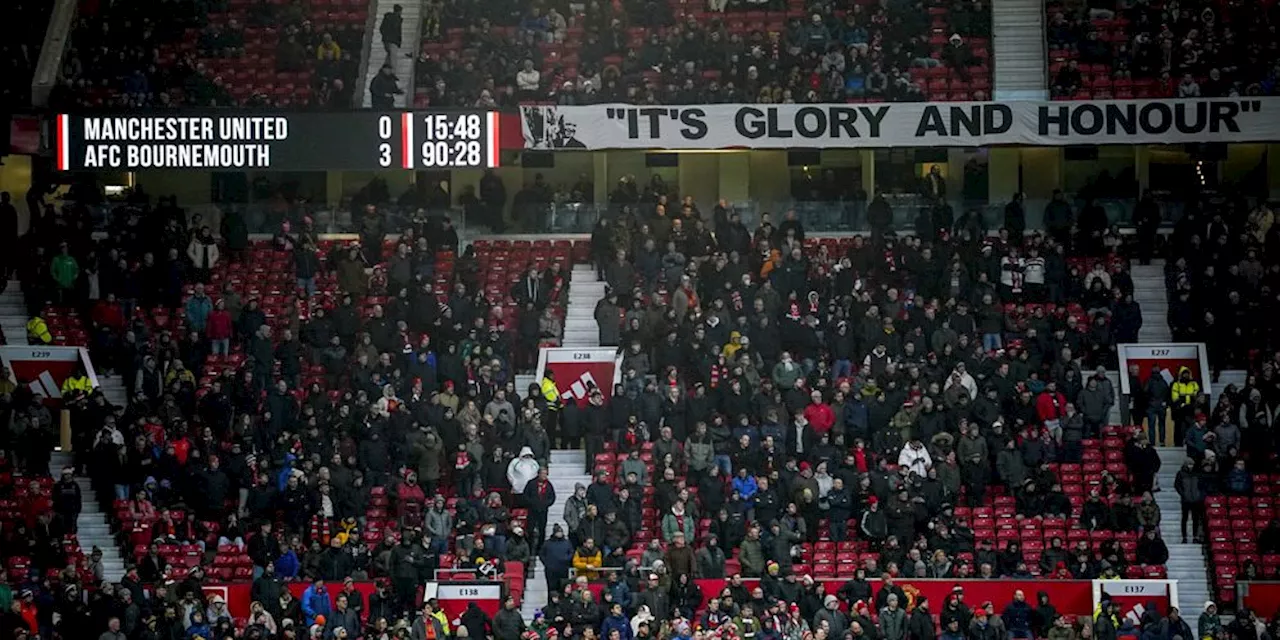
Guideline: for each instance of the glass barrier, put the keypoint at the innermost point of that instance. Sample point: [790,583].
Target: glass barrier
[907,210]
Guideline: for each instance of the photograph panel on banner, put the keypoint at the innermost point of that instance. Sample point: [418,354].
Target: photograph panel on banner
[577,370]
[1168,359]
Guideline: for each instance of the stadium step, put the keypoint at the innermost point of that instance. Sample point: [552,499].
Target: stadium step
[411,34]
[580,328]
[566,469]
[1018,49]
[1152,297]
[13,314]
[92,528]
[1187,562]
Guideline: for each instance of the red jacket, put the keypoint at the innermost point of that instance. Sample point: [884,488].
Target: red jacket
[1051,406]
[106,314]
[820,417]
[218,326]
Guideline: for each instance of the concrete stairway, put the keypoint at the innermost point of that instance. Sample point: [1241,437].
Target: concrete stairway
[566,470]
[13,314]
[1018,49]
[92,528]
[113,388]
[1187,562]
[580,329]
[1152,296]
[403,64]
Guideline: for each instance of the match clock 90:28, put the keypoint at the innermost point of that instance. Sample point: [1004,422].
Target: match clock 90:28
[440,140]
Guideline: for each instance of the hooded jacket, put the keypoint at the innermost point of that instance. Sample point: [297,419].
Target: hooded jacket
[522,469]
[1184,394]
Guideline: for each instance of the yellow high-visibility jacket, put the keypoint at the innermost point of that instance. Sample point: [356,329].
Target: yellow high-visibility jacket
[1184,393]
[77,384]
[551,394]
[37,329]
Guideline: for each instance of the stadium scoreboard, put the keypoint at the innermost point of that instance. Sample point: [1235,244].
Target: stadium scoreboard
[246,140]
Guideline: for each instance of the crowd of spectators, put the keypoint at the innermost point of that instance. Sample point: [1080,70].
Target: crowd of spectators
[1104,49]
[327,410]
[1222,277]
[657,52]
[211,53]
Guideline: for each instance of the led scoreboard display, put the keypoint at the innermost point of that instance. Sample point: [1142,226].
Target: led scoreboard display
[244,140]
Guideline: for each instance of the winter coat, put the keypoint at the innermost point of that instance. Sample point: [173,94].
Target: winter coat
[1094,404]
[893,623]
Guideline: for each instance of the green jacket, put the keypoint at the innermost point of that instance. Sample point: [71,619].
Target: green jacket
[65,271]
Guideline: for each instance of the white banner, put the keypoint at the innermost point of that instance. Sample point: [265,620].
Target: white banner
[879,125]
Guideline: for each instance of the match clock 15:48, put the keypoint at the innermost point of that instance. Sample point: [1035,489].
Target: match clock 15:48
[453,140]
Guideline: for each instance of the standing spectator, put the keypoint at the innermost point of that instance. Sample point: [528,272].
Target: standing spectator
[557,556]
[1156,393]
[1015,218]
[1184,397]
[384,87]
[539,495]
[67,500]
[1191,493]
[65,272]
[218,329]
[202,252]
[198,309]
[392,30]
[528,81]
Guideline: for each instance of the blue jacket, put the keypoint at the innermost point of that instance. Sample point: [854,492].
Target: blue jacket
[287,565]
[621,594]
[315,603]
[746,487]
[198,310]
[557,554]
[856,416]
[1239,482]
[201,629]
[619,622]
[1017,616]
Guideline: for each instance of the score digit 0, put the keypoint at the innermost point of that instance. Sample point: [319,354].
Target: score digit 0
[384,148]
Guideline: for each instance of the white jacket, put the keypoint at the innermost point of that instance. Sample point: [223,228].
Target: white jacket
[522,469]
[916,460]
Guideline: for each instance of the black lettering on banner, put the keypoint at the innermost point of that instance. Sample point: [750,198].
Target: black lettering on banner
[1154,117]
[1052,117]
[874,116]
[842,119]
[654,115]
[747,123]
[969,119]
[993,125]
[1223,114]
[774,128]
[931,122]
[1180,113]
[1121,118]
[811,122]
[695,124]
[1087,120]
